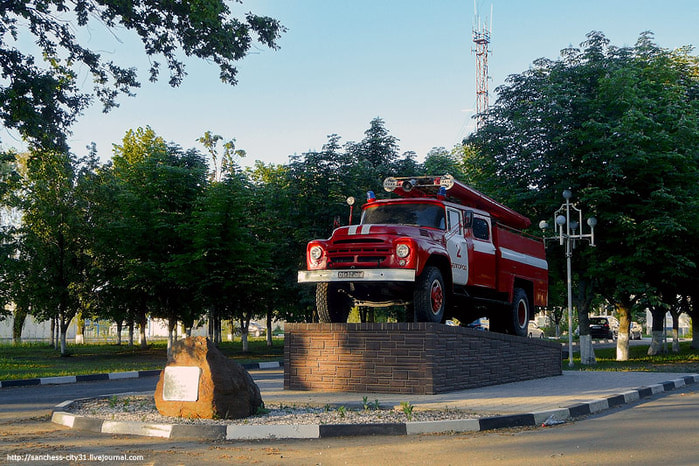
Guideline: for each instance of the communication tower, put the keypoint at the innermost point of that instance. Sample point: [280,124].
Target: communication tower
[481,39]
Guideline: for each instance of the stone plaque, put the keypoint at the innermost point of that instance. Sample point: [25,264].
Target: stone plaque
[181,383]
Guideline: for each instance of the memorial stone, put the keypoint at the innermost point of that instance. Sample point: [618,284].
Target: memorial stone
[201,382]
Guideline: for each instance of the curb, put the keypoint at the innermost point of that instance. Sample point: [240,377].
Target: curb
[114,376]
[314,431]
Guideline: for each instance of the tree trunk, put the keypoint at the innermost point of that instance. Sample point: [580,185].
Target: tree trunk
[244,339]
[215,325]
[587,352]
[63,328]
[622,341]
[120,326]
[20,315]
[244,330]
[53,332]
[142,330]
[269,328]
[62,335]
[693,312]
[210,320]
[675,330]
[80,330]
[583,301]
[171,335]
[657,344]
[130,324]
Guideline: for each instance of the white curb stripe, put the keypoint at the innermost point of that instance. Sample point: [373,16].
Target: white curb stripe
[123,375]
[57,380]
[135,428]
[631,395]
[455,425]
[658,388]
[598,405]
[269,365]
[558,414]
[258,432]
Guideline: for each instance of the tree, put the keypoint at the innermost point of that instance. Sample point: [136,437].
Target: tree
[157,185]
[620,127]
[276,231]
[221,249]
[40,95]
[378,147]
[440,161]
[52,258]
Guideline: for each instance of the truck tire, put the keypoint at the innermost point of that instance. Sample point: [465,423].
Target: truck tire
[518,323]
[333,303]
[429,297]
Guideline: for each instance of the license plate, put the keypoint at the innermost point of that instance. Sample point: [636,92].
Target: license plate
[350,274]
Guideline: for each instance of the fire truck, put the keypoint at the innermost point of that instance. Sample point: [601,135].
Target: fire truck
[438,247]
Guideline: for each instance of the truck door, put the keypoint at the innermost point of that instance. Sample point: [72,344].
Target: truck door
[483,262]
[457,247]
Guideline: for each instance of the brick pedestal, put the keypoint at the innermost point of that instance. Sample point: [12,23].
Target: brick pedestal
[414,358]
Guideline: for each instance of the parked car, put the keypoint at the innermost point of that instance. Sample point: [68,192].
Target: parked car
[534,331]
[636,332]
[480,324]
[602,327]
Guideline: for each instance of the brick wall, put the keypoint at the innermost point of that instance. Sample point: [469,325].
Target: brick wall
[415,358]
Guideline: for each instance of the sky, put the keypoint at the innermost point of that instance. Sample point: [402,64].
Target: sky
[342,63]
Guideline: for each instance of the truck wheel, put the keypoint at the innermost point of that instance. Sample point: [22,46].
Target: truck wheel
[333,303]
[519,313]
[429,296]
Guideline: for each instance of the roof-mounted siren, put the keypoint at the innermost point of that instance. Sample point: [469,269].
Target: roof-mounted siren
[405,186]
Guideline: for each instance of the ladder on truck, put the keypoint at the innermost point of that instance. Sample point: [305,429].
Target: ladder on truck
[447,187]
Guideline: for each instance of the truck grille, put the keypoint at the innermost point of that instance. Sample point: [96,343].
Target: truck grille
[358,254]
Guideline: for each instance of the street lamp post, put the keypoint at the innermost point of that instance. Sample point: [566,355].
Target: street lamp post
[567,234]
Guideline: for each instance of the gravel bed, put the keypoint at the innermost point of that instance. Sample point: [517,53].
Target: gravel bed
[141,408]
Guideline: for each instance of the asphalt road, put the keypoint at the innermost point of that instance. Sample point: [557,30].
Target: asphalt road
[660,430]
[39,398]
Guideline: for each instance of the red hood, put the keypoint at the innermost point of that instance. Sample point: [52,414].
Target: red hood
[358,231]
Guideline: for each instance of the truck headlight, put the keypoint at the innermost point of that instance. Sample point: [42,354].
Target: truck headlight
[402,251]
[316,253]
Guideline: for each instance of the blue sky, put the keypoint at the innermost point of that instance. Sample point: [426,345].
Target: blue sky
[343,62]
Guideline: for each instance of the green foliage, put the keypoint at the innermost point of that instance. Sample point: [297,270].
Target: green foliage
[49,253]
[407,409]
[620,127]
[342,411]
[368,405]
[40,95]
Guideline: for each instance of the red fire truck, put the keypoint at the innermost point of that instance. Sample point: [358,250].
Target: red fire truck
[441,248]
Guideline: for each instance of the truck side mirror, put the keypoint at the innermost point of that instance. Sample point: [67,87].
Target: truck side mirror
[468,219]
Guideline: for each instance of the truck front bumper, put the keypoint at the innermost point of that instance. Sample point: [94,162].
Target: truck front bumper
[357,275]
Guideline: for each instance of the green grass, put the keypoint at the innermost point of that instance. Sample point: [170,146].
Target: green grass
[31,360]
[687,360]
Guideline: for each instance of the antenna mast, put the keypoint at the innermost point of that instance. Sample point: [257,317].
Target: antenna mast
[481,39]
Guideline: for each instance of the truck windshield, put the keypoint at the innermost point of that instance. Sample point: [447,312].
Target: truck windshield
[424,215]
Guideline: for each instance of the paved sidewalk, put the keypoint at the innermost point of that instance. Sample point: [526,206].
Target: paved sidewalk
[571,388]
